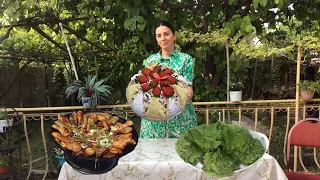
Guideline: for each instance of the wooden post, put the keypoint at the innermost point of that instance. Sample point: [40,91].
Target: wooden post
[207,116]
[228,75]
[271,71]
[297,105]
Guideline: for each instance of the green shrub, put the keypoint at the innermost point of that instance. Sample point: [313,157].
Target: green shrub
[310,85]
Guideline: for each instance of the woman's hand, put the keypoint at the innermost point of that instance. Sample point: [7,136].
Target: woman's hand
[190,93]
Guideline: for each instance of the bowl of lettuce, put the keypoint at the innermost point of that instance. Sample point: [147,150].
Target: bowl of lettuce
[221,149]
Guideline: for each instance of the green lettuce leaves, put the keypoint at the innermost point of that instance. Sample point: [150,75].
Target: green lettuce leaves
[192,153]
[220,147]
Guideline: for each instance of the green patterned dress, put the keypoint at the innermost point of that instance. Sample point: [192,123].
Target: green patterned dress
[183,64]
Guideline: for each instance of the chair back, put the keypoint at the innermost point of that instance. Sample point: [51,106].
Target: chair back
[304,133]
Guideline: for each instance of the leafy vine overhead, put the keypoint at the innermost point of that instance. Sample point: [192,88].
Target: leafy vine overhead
[112,37]
[234,17]
[251,49]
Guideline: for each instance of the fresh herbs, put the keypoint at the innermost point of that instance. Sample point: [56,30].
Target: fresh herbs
[100,138]
[221,148]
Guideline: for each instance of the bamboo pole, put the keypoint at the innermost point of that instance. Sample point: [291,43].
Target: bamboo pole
[239,115]
[271,125]
[207,116]
[28,145]
[286,137]
[255,102]
[255,118]
[228,75]
[44,146]
[70,55]
[297,104]
[223,115]
[228,70]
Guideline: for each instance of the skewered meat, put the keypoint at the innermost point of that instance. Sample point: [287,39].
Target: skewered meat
[60,137]
[120,141]
[74,146]
[113,120]
[122,128]
[79,118]
[63,131]
[104,117]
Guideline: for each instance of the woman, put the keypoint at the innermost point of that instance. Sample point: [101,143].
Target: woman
[181,63]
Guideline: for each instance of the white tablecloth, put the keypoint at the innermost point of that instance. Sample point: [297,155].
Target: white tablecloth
[156,159]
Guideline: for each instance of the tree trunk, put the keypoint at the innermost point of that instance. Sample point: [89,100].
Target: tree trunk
[46,83]
[254,78]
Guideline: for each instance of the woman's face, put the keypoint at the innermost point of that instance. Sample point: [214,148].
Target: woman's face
[165,38]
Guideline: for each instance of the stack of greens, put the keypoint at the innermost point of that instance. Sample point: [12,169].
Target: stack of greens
[220,147]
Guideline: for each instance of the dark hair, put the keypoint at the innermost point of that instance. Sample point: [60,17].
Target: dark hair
[164,23]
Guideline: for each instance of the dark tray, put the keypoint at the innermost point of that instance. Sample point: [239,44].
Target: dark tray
[93,165]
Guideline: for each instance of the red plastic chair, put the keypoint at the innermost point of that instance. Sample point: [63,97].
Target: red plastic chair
[306,134]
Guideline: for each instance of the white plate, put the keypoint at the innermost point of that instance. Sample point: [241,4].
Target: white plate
[257,135]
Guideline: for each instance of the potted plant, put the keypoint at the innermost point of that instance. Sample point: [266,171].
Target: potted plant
[89,91]
[308,88]
[5,150]
[5,121]
[4,166]
[59,156]
[236,91]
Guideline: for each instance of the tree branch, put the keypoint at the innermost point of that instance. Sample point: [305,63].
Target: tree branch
[85,39]
[42,55]
[21,57]
[194,4]
[34,22]
[204,19]
[2,38]
[36,28]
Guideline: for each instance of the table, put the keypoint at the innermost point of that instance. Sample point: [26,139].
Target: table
[156,159]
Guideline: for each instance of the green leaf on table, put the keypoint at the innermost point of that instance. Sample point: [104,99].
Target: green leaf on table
[253,153]
[219,164]
[207,137]
[187,149]
[235,140]
[222,147]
